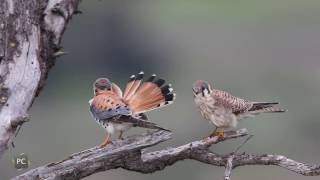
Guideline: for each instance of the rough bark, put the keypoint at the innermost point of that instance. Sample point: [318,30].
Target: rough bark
[30,35]
[129,154]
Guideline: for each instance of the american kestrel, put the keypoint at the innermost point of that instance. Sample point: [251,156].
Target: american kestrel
[224,110]
[117,112]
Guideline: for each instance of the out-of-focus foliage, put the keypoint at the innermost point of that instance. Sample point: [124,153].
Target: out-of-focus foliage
[260,50]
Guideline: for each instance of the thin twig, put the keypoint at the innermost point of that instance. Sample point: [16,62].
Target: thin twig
[229,166]
[242,144]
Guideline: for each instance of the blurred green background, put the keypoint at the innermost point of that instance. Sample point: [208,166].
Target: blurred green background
[256,49]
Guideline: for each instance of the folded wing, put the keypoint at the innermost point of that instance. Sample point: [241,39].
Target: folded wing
[108,105]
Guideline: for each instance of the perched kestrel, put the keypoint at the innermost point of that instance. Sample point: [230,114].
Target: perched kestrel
[118,112]
[224,110]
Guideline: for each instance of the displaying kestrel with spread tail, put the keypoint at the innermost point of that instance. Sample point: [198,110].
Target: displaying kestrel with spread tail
[224,110]
[117,112]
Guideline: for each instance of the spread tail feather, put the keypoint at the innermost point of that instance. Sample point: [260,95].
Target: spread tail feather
[152,94]
[132,86]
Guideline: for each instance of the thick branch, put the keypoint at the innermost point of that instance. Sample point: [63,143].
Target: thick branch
[30,34]
[85,163]
[127,155]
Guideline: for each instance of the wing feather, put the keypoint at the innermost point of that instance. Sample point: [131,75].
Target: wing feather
[108,105]
[226,100]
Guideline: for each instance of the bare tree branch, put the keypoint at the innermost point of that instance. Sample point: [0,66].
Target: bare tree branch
[128,155]
[30,34]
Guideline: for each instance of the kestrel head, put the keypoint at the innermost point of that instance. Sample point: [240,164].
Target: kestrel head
[201,87]
[102,84]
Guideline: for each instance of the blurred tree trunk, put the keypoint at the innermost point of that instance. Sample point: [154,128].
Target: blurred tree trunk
[30,36]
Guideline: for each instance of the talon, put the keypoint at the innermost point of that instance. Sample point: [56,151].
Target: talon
[105,142]
[220,134]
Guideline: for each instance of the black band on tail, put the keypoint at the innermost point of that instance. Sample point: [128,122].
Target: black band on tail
[140,76]
[159,82]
